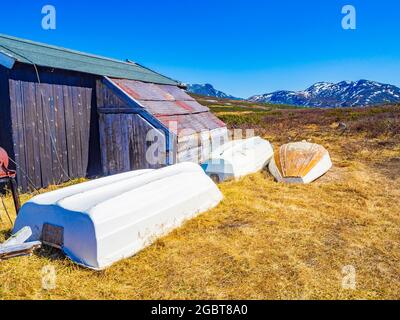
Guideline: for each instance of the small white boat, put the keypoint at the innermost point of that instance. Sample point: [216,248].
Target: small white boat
[300,162]
[102,221]
[16,245]
[238,158]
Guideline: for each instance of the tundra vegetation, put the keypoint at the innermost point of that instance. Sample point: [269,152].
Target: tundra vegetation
[265,240]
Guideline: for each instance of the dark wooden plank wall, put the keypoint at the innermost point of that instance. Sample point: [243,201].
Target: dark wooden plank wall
[5,116]
[123,136]
[51,125]
[54,126]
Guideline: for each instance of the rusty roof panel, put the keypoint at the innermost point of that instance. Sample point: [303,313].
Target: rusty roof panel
[194,122]
[171,105]
[153,92]
[162,107]
[178,93]
[143,91]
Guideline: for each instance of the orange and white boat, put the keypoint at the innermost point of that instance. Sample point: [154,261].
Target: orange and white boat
[300,162]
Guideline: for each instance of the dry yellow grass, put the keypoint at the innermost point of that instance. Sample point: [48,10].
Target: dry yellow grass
[264,241]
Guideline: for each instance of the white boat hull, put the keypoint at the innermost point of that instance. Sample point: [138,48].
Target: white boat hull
[238,158]
[112,218]
[300,163]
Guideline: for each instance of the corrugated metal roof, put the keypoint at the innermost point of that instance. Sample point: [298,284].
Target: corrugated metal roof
[171,105]
[196,122]
[30,52]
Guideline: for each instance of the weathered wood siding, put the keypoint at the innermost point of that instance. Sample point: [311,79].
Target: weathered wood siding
[197,147]
[126,138]
[5,117]
[51,125]
[54,129]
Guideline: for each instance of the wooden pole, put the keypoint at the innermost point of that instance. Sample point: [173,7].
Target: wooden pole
[14,189]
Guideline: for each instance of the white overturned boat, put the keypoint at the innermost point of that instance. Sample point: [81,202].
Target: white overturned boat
[238,158]
[102,221]
[300,162]
[16,245]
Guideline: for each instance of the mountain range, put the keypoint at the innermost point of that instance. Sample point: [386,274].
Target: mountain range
[321,94]
[342,94]
[209,91]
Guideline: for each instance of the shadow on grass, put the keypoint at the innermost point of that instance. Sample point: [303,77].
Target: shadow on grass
[51,253]
[5,234]
[57,255]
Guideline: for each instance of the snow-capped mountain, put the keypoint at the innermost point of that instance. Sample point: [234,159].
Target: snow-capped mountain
[342,94]
[208,90]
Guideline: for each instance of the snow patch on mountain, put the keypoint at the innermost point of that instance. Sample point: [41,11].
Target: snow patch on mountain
[342,94]
[209,91]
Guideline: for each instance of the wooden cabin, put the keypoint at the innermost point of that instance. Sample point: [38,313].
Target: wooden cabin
[65,114]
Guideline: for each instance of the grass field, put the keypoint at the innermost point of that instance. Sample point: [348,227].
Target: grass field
[265,240]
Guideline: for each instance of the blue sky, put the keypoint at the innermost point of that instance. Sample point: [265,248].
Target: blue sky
[242,47]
